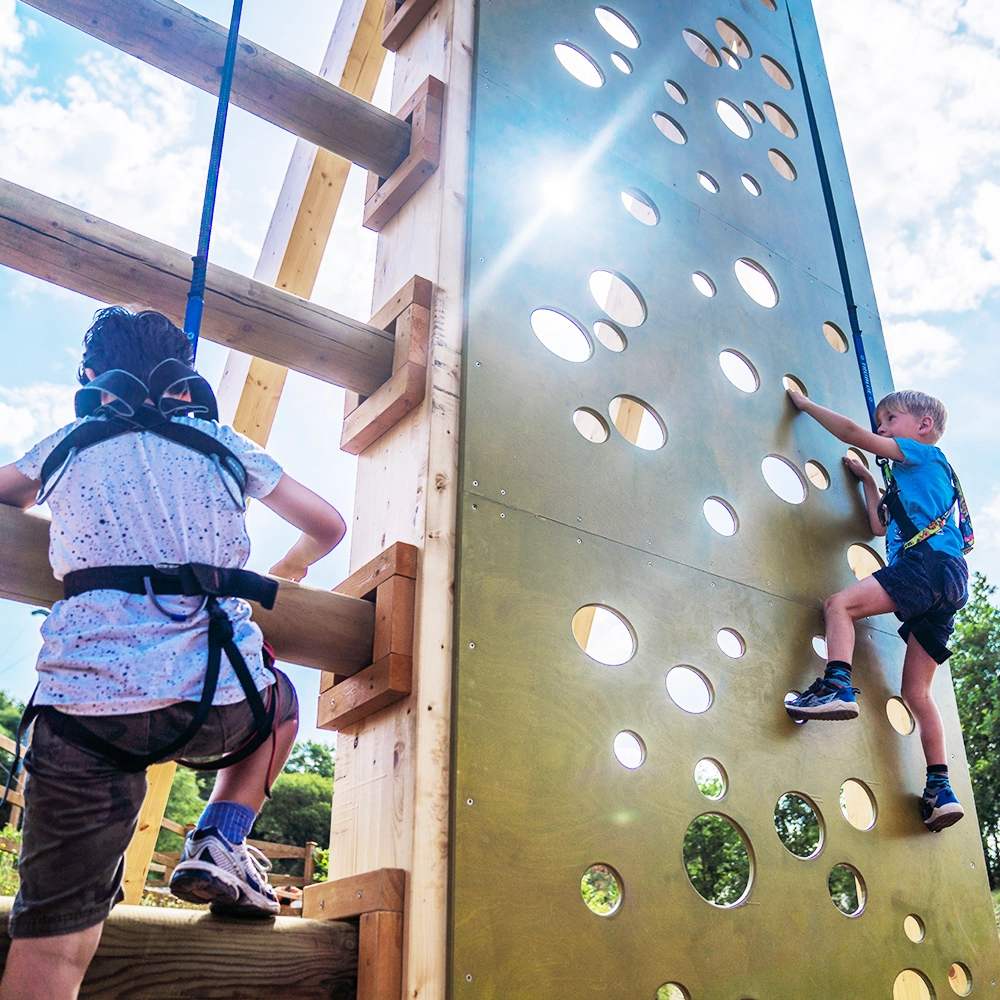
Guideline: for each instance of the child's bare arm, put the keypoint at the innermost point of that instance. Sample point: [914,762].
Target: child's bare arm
[872,495]
[321,525]
[17,490]
[846,429]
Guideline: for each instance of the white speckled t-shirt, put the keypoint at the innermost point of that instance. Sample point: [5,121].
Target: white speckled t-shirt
[139,500]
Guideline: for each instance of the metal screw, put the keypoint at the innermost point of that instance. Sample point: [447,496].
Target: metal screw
[321,904]
[475,506]
[503,493]
[479,364]
[475,482]
[468,977]
[579,541]
[359,893]
[472,645]
[503,515]
[468,802]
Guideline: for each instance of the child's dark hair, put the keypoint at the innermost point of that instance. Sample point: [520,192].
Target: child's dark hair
[134,342]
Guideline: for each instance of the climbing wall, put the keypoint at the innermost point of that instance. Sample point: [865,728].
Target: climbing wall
[647,533]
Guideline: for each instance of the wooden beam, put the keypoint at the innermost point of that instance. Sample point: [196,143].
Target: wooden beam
[67,247]
[383,889]
[192,48]
[380,956]
[401,17]
[150,953]
[140,850]
[385,682]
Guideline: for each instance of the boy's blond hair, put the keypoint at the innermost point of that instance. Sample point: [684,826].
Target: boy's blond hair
[918,404]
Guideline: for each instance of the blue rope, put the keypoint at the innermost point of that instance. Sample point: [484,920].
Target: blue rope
[196,296]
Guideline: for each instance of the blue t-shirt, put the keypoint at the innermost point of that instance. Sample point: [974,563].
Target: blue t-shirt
[927,491]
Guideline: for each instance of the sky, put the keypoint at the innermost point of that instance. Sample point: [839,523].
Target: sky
[914,83]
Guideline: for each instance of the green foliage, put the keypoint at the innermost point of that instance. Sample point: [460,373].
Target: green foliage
[716,859]
[601,890]
[975,668]
[298,810]
[183,806]
[10,714]
[797,825]
[9,881]
[311,757]
[321,864]
[844,890]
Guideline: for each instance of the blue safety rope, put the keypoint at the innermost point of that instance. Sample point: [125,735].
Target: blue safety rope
[196,296]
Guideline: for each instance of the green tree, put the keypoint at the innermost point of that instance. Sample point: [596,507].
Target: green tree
[298,810]
[10,714]
[311,757]
[975,668]
[183,806]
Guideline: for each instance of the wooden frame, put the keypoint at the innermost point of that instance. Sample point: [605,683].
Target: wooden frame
[401,17]
[389,579]
[407,316]
[385,197]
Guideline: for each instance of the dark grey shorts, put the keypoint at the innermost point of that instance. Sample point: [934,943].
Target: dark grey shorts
[81,810]
[927,587]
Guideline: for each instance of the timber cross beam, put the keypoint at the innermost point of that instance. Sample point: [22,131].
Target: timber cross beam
[401,17]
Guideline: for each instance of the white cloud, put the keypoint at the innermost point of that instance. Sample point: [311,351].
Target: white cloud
[12,68]
[918,351]
[29,413]
[987,524]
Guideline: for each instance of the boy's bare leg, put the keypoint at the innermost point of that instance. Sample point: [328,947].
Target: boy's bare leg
[244,782]
[842,610]
[49,968]
[918,674]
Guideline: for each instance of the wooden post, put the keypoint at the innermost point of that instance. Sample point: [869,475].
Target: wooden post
[310,863]
[140,850]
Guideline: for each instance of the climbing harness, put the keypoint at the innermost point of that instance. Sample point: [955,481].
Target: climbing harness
[196,295]
[892,508]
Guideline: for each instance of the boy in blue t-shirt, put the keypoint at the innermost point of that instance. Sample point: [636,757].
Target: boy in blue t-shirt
[925,583]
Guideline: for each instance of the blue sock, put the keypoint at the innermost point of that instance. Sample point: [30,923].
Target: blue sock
[838,670]
[937,776]
[232,819]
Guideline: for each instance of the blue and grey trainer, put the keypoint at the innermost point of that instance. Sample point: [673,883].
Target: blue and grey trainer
[232,877]
[824,699]
[939,808]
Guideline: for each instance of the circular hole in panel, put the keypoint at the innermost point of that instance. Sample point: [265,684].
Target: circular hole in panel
[702,48]
[577,63]
[754,112]
[637,422]
[782,164]
[863,560]
[847,890]
[604,635]
[771,5]
[672,991]
[561,335]
[784,479]
[618,27]
[676,91]
[708,182]
[689,689]
[819,647]
[793,384]
[858,456]
[776,72]
[618,297]
[899,716]
[601,888]
[733,37]
[730,58]
[717,859]
[911,984]
[756,282]
[629,749]
[670,128]
[960,979]
[739,371]
[710,777]
[835,337]
[733,118]
[797,823]
[591,425]
[610,336]
[751,184]
[640,206]
[720,516]
[791,696]
[781,120]
[857,803]
[621,63]
[703,283]
[913,928]
[731,643]
[818,476]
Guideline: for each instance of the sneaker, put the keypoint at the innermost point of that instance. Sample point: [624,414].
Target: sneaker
[233,878]
[825,699]
[940,809]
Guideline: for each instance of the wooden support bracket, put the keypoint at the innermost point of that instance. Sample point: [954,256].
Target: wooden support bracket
[401,17]
[386,196]
[390,580]
[407,316]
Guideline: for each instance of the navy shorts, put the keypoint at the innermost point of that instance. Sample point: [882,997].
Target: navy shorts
[927,587]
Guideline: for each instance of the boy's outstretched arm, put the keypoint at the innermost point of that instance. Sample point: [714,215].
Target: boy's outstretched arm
[321,525]
[17,490]
[846,429]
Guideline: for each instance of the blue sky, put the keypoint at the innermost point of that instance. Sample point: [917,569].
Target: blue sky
[914,82]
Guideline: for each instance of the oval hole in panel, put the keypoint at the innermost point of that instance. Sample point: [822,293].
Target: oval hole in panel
[781,120]
[562,335]
[730,58]
[776,72]
[819,647]
[912,984]
[640,206]
[577,63]
[835,337]
[782,164]
[863,560]
[783,479]
[913,928]
[720,516]
[899,716]
[669,127]
[708,182]
[754,112]
[733,118]
[629,750]
[751,184]
[818,476]
[591,425]
[717,858]
[733,37]
[601,888]
[739,371]
[771,5]
[858,456]
[793,384]
[857,803]
[798,825]
[621,63]
[617,26]
[847,890]
[731,643]
[672,991]
[676,91]
[703,283]
[702,48]
[756,282]
[604,635]
[960,979]
[710,777]
[689,689]
[791,696]
[610,336]
[638,423]
[618,297]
